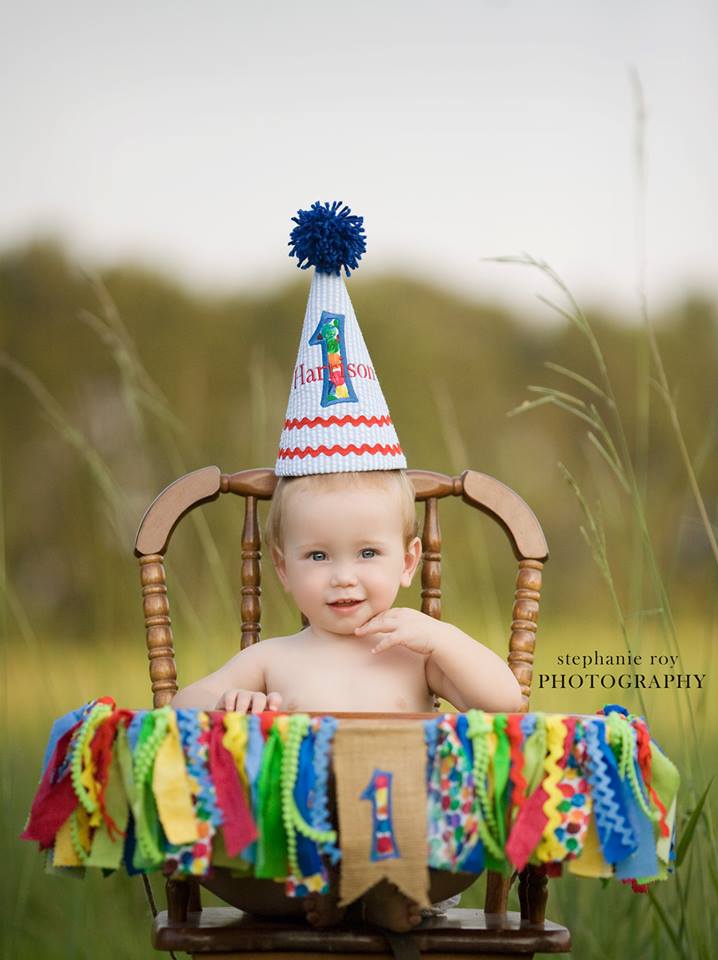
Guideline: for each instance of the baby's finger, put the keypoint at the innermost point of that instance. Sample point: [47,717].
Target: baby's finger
[371,624]
[377,624]
[274,701]
[259,702]
[386,641]
[229,699]
[244,698]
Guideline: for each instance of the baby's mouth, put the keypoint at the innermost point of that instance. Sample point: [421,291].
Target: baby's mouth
[345,604]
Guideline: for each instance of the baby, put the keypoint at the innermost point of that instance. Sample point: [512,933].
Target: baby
[342,544]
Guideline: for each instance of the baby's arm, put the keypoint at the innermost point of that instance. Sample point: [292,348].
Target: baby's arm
[238,685]
[457,667]
[469,675]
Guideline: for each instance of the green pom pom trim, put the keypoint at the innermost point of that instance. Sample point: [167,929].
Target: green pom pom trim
[479,727]
[95,717]
[292,819]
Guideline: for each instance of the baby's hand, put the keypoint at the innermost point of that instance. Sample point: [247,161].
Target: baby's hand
[401,626]
[248,701]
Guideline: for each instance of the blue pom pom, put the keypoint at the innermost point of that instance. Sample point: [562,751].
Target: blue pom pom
[328,238]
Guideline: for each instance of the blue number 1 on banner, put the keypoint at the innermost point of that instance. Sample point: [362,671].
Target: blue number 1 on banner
[383,843]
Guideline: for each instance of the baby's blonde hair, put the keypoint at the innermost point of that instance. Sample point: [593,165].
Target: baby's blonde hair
[330,481]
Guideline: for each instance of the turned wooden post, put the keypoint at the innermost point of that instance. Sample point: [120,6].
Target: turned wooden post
[158,632]
[251,574]
[431,561]
[524,625]
[533,894]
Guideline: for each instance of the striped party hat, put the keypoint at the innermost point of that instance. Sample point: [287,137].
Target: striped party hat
[337,419]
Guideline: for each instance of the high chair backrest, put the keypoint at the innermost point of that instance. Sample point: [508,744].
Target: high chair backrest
[476,489]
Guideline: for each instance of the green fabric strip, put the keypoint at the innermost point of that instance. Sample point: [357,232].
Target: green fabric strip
[665,778]
[148,853]
[501,767]
[105,851]
[534,756]
[272,854]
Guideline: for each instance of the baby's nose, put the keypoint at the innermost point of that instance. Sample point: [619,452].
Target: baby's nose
[343,575]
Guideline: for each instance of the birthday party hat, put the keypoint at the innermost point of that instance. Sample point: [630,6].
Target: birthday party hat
[337,419]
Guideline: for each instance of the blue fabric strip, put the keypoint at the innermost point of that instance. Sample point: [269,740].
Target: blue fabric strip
[252,766]
[310,861]
[643,862]
[617,838]
[133,730]
[528,724]
[60,727]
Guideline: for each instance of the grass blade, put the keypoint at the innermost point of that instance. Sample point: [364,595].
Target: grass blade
[666,923]
[572,375]
[593,439]
[687,834]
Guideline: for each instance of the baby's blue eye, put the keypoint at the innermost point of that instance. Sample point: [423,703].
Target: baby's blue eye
[318,555]
[368,553]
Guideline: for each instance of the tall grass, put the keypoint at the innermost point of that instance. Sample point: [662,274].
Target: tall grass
[682,926]
[687,930]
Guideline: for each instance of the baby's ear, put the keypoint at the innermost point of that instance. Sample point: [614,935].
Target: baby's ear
[412,555]
[280,566]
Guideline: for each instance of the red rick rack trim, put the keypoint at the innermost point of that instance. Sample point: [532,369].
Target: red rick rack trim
[337,421]
[516,771]
[393,450]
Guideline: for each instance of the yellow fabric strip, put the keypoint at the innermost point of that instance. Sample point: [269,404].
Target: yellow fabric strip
[235,740]
[172,788]
[549,847]
[663,844]
[591,862]
[63,854]
[87,779]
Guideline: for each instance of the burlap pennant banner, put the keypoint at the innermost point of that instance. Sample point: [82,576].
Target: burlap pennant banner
[382,814]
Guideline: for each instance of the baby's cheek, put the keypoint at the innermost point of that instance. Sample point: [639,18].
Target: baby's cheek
[385,586]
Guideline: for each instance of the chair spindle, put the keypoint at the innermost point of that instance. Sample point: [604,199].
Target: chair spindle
[251,574]
[431,561]
[524,625]
[158,630]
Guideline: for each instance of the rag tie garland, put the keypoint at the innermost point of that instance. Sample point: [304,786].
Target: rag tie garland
[179,791]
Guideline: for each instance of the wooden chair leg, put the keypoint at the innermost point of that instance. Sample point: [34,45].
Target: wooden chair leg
[195,902]
[183,898]
[177,900]
[497,892]
[533,894]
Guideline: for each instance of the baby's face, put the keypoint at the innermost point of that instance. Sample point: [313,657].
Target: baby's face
[344,557]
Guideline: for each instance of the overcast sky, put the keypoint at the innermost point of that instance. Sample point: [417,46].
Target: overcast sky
[187,134]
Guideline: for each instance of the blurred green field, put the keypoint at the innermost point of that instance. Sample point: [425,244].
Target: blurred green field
[60,917]
[112,388]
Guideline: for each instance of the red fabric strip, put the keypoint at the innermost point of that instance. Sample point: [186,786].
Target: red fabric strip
[513,729]
[529,824]
[237,824]
[266,721]
[101,748]
[54,802]
[643,742]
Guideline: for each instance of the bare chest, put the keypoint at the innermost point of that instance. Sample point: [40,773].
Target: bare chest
[349,680]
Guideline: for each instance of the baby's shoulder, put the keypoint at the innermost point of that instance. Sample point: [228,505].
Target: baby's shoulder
[273,646]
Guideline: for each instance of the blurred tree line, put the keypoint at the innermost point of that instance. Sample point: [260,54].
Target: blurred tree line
[179,380]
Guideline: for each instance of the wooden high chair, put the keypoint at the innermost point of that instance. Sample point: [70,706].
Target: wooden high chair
[227,932]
